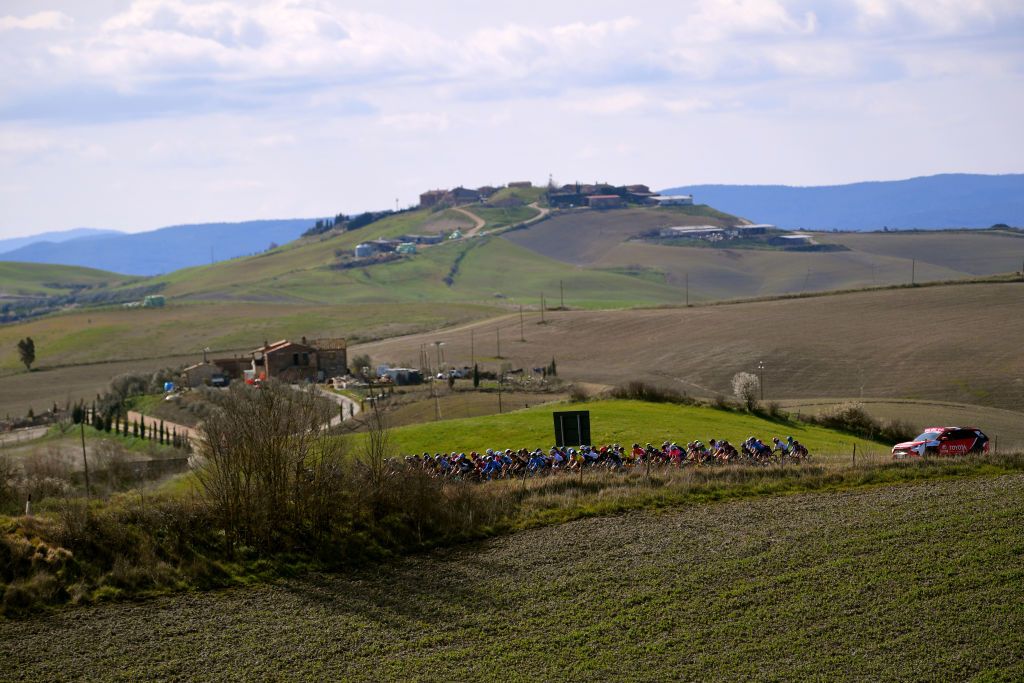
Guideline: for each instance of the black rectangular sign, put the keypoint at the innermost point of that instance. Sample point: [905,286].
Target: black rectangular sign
[572,428]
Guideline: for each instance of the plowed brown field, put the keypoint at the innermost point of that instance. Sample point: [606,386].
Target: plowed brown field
[911,582]
[952,343]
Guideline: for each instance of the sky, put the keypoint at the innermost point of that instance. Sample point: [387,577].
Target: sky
[133,115]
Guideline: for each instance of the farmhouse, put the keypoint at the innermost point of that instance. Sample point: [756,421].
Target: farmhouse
[285,360]
[201,373]
[460,195]
[288,361]
[431,198]
[752,229]
[604,201]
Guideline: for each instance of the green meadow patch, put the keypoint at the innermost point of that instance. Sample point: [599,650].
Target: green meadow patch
[624,422]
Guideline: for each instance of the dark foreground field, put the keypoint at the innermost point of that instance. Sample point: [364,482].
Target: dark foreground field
[896,583]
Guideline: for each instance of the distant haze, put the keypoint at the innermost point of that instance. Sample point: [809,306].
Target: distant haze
[60,236]
[942,201]
[164,250]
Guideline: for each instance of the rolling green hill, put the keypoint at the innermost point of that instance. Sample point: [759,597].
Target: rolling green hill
[41,279]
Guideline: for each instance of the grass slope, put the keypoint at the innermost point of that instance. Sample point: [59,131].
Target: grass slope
[40,279]
[618,421]
[894,583]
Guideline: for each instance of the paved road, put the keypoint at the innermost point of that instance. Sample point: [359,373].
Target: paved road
[349,407]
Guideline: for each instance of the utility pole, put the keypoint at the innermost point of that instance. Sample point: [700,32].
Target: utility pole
[85,460]
[760,369]
[437,347]
[522,333]
[497,332]
[561,292]
[437,404]
[687,289]
[913,272]
[543,305]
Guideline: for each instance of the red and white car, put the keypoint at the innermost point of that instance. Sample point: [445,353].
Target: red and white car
[943,441]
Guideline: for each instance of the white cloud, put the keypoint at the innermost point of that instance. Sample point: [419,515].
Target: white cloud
[717,20]
[607,103]
[40,21]
[416,122]
[936,16]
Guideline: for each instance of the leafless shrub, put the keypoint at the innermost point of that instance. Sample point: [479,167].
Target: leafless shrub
[641,391]
[578,394]
[268,468]
[853,418]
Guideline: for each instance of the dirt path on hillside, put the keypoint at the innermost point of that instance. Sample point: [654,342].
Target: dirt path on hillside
[478,223]
[540,216]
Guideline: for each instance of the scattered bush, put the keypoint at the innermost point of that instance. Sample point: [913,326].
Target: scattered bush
[641,391]
[854,419]
[577,394]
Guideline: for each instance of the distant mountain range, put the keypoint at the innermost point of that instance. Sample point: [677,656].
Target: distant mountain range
[13,243]
[161,251]
[939,201]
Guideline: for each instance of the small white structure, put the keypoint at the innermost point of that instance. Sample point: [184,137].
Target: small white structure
[795,240]
[363,250]
[674,200]
[692,231]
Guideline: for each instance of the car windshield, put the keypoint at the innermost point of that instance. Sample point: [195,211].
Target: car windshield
[927,436]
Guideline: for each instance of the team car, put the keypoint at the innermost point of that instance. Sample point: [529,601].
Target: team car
[942,441]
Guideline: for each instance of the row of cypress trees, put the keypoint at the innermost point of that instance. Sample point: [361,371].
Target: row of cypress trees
[116,422]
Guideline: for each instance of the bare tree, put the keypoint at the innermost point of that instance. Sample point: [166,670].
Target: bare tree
[267,465]
[745,387]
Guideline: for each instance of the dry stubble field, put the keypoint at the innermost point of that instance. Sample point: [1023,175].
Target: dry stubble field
[901,582]
[950,343]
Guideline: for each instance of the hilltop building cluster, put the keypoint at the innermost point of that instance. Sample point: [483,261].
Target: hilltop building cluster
[577,195]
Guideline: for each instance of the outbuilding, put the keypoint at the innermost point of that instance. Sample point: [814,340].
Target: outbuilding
[604,201]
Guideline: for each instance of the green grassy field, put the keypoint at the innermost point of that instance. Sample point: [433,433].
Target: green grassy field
[42,279]
[907,582]
[625,422]
[500,217]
